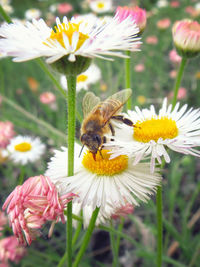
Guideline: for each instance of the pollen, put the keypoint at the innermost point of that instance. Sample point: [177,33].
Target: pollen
[23,147]
[155,128]
[103,165]
[67,29]
[82,78]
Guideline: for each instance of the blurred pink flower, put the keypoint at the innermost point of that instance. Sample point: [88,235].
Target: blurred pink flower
[30,205]
[191,10]
[123,211]
[174,4]
[136,13]
[164,23]
[6,133]
[152,39]
[11,250]
[173,74]
[47,98]
[174,57]
[64,8]
[139,68]
[182,93]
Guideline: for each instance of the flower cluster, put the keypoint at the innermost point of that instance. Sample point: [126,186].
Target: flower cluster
[32,204]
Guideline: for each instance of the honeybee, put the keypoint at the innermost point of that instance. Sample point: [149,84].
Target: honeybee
[97,116]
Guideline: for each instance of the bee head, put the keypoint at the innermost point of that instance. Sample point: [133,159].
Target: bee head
[92,141]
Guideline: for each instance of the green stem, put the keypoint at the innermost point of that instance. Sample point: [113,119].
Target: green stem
[33,118]
[71,82]
[159,226]
[21,176]
[115,262]
[5,15]
[86,237]
[178,81]
[128,78]
[120,228]
[76,235]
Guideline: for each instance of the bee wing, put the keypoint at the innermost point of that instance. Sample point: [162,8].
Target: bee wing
[122,96]
[117,101]
[89,102]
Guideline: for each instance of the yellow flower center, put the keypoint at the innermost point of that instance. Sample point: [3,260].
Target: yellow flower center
[23,147]
[153,129]
[82,78]
[100,5]
[103,165]
[67,29]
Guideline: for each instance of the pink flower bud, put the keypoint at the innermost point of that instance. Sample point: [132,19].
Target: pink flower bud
[6,133]
[136,13]
[47,98]
[152,39]
[64,8]
[186,36]
[163,23]
[174,57]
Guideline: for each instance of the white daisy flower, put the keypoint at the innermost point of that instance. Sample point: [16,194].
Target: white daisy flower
[90,76]
[32,13]
[103,182]
[101,6]
[177,129]
[70,38]
[24,149]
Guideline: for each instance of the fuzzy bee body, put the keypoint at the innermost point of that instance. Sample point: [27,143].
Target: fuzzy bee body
[97,116]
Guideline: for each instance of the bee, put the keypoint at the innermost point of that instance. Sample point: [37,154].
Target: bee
[98,116]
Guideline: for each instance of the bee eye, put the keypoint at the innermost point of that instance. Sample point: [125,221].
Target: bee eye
[83,137]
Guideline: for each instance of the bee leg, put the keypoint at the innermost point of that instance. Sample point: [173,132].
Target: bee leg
[122,119]
[94,156]
[111,128]
[100,152]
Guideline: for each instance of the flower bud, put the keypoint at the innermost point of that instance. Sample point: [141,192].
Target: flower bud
[136,13]
[186,37]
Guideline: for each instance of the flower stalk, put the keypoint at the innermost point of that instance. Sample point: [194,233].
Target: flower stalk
[178,80]
[159,226]
[71,82]
[128,77]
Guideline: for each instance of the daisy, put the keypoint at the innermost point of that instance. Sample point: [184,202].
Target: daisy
[176,129]
[24,149]
[70,38]
[90,76]
[101,6]
[103,181]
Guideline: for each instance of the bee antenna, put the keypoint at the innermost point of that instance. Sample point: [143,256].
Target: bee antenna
[81,150]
